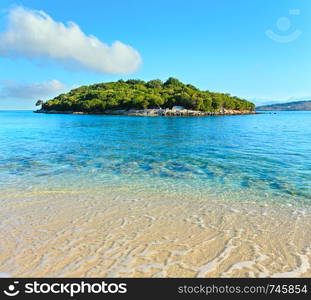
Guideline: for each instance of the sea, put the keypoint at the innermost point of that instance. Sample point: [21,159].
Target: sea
[259,158]
[126,196]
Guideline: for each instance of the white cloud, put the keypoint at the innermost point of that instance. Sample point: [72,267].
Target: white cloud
[34,34]
[36,90]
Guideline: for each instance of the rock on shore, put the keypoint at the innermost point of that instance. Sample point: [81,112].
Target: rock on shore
[153,112]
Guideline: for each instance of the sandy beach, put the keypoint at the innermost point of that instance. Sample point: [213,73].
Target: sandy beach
[110,234]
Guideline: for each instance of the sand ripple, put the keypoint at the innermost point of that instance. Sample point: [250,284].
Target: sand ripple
[101,234]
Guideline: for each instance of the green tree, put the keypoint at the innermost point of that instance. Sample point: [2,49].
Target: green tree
[138,94]
[39,102]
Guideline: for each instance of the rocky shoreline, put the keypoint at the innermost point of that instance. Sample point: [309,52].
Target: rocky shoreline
[154,112]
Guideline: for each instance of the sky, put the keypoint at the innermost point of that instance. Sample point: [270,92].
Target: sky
[259,50]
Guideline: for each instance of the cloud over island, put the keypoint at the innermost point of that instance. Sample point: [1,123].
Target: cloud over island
[35,90]
[34,34]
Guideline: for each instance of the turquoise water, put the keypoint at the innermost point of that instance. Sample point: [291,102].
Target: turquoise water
[256,158]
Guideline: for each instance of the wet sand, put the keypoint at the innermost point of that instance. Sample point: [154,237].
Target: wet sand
[116,234]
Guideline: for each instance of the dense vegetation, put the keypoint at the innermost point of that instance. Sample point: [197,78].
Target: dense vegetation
[138,94]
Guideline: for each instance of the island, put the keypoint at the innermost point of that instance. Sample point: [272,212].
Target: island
[289,106]
[140,98]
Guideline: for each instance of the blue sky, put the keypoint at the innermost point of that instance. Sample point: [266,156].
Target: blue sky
[218,45]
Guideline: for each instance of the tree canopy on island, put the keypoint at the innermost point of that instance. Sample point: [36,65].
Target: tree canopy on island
[138,94]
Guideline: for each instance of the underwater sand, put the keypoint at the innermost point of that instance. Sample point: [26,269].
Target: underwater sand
[115,234]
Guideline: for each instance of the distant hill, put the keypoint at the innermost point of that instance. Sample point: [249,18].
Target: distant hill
[297,105]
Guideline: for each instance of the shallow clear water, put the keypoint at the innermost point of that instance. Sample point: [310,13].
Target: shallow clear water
[256,158]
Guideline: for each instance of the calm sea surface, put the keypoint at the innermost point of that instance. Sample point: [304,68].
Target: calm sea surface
[257,158]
